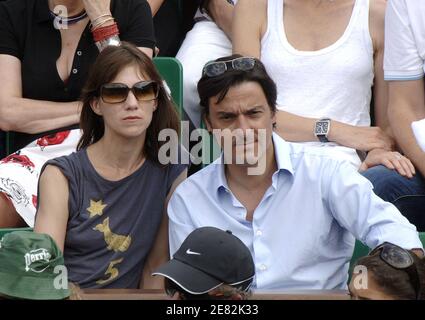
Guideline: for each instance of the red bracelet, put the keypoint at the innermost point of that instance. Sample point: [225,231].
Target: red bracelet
[106,32]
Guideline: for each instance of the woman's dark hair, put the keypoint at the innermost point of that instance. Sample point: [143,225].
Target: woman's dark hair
[109,63]
[395,282]
[219,85]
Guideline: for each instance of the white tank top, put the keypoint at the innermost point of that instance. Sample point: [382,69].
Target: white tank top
[334,82]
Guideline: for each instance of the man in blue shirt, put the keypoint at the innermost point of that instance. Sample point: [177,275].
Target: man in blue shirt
[300,214]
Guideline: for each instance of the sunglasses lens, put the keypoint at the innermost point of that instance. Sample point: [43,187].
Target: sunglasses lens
[243,64]
[397,257]
[215,69]
[146,91]
[114,93]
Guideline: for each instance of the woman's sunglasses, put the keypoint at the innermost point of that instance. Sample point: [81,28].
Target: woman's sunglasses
[118,92]
[216,68]
[399,259]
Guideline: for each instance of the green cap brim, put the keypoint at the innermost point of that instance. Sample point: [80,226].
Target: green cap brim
[34,288]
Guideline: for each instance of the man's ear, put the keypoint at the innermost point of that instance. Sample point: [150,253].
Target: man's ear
[274,120]
[207,122]
[94,104]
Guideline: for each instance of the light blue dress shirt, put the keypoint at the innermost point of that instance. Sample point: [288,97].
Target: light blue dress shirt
[303,231]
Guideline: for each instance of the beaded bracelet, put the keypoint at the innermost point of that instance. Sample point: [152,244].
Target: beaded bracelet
[101,16]
[93,27]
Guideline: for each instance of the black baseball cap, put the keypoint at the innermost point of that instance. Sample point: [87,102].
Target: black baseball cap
[208,258]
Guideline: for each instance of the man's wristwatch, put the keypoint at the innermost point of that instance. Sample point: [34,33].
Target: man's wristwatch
[321,129]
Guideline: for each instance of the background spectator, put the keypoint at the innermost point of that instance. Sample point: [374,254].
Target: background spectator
[404,70]
[46,49]
[392,273]
[208,40]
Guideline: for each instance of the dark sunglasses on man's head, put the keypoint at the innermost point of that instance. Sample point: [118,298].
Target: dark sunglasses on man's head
[216,68]
[399,259]
[118,92]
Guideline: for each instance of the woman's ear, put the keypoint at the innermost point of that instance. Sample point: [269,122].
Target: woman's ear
[94,104]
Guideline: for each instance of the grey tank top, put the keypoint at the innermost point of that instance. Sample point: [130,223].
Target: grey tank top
[112,224]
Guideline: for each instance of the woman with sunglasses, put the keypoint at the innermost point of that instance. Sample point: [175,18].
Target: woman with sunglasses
[389,272]
[46,50]
[105,204]
[326,57]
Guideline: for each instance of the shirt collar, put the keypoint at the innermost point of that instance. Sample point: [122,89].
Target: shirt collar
[282,152]
[42,11]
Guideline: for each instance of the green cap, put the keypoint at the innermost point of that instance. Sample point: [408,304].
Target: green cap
[28,262]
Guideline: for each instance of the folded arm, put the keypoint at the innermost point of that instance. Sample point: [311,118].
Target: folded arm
[27,115]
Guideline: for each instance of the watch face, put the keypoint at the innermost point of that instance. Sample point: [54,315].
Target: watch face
[322,127]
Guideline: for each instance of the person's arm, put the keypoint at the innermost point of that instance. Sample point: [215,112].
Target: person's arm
[52,214]
[359,210]
[155,5]
[99,8]
[159,253]
[222,13]
[407,104]
[403,68]
[28,115]
[380,87]
[390,159]
[249,24]
[301,129]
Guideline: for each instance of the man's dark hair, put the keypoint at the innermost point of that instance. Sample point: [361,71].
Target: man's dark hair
[394,282]
[219,85]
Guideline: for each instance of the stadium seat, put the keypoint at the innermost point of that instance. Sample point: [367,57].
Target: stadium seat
[172,72]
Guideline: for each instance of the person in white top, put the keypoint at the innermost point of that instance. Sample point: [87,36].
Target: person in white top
[404,66]
[208,40]
[325,57]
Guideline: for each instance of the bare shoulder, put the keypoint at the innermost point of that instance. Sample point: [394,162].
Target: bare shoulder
[254,4]
[256,8]
[377,21]
[52,175]
[254,11]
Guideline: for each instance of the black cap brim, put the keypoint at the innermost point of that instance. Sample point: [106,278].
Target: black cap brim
[187,277]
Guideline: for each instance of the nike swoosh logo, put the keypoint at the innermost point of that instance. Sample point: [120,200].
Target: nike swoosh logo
[188,251]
